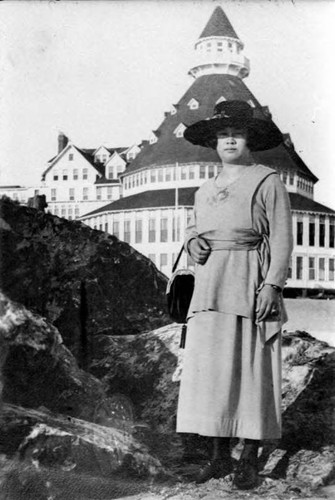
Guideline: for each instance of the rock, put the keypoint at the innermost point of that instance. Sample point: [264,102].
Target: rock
[38,370]
[85,282]
[68,443]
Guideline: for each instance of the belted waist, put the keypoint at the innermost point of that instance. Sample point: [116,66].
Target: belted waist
[241,239]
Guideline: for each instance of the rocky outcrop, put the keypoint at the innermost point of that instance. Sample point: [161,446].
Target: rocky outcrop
[85,282]
[38,370]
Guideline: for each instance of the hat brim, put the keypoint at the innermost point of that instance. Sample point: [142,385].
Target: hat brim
[262,134]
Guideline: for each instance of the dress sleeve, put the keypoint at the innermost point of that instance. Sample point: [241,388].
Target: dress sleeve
[279,217]
[191,231]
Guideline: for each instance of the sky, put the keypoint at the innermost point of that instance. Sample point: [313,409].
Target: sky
[104,72]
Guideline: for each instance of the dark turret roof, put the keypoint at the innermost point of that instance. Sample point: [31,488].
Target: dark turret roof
[207,89]
[218,25]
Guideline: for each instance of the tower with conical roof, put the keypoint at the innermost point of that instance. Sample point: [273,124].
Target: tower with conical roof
[219,50]
[159,184]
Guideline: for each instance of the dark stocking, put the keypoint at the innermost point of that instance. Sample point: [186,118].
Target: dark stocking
[221,448]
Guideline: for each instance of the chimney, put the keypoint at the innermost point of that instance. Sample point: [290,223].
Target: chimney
[62,141]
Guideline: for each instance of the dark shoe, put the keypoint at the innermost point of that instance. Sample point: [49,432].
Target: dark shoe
[215,469]
[246,475]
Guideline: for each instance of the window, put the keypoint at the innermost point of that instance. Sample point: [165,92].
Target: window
[63,211]
[70,211]
[219,46]
[331,269]
[55,177]
[76,211]
[311,268]
[322,234]
[191,172]
[164,230]
[321,268]
[106,227]
[300,229]
[110,174]
[99,192]
[202,172]
[331,233]
[119,170]
[126,236]
[183,173]
[291,178]
[56,211]
[85,193]
[311,240]
[284,177]
[168,175]
[71,194]
[175,229]
[163,260]
[85,173]
[211,171]
[100,227]
[36,192]
[53,194]
[160,175]
[299,268]
[109,192]
[71,157]
[116,228]
[138,231]
[153,176]
[75,174]
[65,175]
[152,230]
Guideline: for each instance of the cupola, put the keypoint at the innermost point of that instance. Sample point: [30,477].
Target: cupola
[219,50]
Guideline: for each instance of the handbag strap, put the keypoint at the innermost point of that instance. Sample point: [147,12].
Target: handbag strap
[177,259]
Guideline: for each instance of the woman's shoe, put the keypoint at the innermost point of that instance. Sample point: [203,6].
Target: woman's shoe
[219,467]
[246,475]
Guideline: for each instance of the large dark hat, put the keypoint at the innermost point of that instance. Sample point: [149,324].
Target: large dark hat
[262,132]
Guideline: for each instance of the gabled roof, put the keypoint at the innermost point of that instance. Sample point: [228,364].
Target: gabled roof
[302,203]
[218,25]
[149,199]
[170,149]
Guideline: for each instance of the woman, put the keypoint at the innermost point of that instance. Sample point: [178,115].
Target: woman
[241,241]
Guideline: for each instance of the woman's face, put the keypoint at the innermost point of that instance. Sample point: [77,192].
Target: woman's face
[232,145]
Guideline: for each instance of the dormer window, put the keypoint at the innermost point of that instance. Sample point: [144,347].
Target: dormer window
[251,102]
[179,131]
[173,110]
[153,138]
[193,104]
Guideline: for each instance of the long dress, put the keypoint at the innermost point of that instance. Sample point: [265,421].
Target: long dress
[231,379]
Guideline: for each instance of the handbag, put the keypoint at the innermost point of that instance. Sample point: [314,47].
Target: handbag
[179,294]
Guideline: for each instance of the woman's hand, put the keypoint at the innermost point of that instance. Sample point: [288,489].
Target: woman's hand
[268,303]
[199,250]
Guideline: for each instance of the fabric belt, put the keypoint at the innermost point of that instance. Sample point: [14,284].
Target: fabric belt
[241,240]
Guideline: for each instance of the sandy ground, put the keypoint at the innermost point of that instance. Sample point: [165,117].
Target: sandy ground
[316,317]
